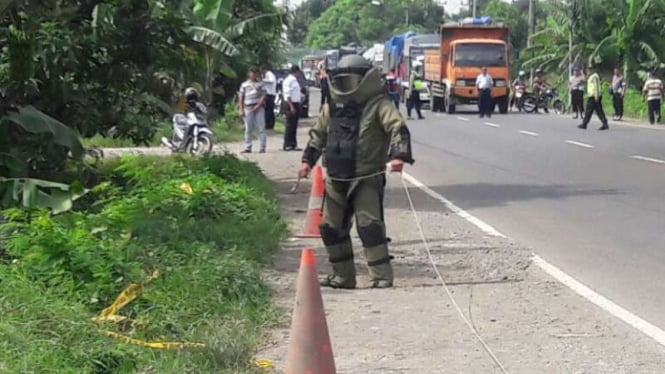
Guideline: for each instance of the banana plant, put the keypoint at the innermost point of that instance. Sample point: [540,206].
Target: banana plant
[214,26]
[633,28]
[30,192]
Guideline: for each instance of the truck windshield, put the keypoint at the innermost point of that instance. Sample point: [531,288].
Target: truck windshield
[477,54]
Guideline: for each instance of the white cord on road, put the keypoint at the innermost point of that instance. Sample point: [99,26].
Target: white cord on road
[443,282]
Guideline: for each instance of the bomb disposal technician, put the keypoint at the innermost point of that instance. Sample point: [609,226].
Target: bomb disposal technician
[357,133]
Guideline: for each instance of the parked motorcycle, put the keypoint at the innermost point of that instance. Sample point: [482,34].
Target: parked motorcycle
[195,134]
[549,99]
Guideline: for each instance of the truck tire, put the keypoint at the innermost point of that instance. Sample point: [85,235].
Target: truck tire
[503,104]
[437,105]
[451,108]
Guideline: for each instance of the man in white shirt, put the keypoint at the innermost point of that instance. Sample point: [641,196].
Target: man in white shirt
[270,84]
[653,91]
[292,97]
[484,83]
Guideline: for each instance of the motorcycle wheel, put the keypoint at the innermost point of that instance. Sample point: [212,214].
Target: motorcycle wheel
[529,104]
[204,146]
[559,107]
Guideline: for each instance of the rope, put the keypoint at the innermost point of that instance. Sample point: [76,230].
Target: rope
[443,282]
[357,178]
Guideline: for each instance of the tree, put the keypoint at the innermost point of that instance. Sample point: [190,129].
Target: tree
[303,16]
[341,23]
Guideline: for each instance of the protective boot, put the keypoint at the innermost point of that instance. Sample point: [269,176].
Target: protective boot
[340,255]
[343,276]
[379,266]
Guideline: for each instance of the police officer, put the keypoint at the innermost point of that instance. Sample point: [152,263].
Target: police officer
[415,86]
[357,133]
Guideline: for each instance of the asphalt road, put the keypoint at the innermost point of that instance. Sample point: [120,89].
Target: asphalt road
[590,202]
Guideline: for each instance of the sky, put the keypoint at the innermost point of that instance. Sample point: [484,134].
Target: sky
[452,6]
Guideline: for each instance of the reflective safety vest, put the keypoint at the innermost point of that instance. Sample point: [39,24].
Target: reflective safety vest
[418,84]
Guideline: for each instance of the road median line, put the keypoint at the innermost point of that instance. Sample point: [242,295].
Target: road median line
[643,158]
[584,145]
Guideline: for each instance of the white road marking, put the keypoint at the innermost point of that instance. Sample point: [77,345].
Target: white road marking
[487,229]
[529,133]
[617,311]
[579,144]
[648,159]
[645,327]
[462,119]
[490,124]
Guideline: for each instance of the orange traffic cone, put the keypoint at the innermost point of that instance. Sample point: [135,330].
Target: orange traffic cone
[315,209]
[310,351]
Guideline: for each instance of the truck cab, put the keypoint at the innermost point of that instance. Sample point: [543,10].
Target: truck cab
[465,49]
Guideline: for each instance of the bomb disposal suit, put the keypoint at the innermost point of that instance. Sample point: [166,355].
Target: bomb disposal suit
[357,133]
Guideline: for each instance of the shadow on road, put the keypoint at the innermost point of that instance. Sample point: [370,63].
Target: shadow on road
[476,195]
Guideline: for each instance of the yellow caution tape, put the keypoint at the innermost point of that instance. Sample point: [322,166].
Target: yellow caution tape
[263,363]
[187,188]
[127,295]
[158,345]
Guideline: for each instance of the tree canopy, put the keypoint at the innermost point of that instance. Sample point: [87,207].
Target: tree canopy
[360,21]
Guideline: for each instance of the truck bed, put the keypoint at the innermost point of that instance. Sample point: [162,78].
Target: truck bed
[433,65]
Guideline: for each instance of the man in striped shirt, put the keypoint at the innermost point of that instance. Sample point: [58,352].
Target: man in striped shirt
[653,92]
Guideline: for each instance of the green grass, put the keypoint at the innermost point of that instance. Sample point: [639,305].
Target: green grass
[60,271]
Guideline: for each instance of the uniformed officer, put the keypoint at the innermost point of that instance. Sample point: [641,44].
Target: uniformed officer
[357,133]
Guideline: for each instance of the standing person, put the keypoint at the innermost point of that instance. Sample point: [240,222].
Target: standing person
[325,87]
[292,93]
[617,90]
[251,100]
[393,85]
[484,83]
[594,102]
[270,83]
[415,85]
[304,96]
[540,86]
[653,92]
[576,88]
[359,131]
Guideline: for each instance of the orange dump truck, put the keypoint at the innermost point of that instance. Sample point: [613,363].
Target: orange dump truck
[451,71]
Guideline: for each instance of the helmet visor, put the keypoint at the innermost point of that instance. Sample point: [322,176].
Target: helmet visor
[346,82]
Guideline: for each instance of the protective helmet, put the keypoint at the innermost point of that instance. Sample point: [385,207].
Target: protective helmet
[191,94]
[349,73]
[538,71]
[522,73]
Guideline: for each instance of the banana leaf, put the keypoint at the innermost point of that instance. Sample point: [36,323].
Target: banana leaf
[36,193]
[37,122]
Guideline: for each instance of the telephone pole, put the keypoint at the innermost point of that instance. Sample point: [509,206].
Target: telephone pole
[473,8]
[532,30]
